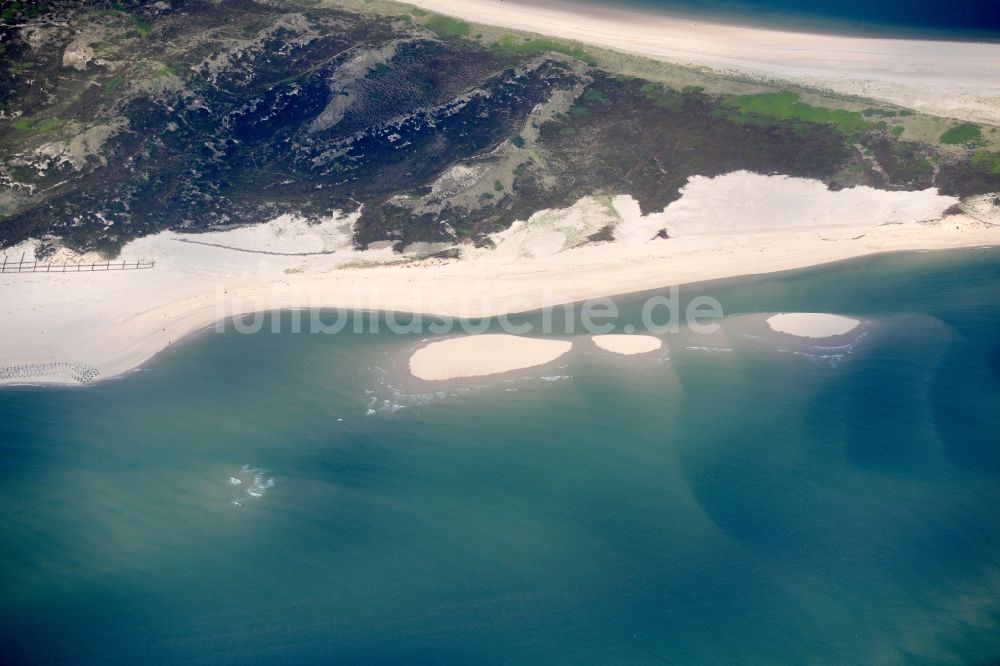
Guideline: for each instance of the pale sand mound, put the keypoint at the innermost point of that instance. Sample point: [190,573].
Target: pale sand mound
[628,345]
[812,324]
[481,355]
[742,201]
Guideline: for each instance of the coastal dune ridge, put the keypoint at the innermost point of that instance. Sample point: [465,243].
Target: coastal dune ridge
[944,78]
[72,328]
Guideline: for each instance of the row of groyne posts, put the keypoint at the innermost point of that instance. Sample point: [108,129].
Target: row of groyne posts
[34,266]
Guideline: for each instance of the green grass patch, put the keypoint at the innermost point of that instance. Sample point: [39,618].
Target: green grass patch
[665,98]
[378,70]
[21,67]
[881,113]
[518,141]
[579,111]
[498,186]
[10,11]
[47,125]
[114,84]
[445,26]
[986,162]
[29,125]
[596,96]
[897,130]
[508,47]
[786,106]
[141,25]
[966,133]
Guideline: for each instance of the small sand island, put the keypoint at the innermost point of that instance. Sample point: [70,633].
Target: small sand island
[628,345]
[812,324]
[482,355]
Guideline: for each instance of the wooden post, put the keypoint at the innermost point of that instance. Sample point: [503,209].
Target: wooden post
[4,264]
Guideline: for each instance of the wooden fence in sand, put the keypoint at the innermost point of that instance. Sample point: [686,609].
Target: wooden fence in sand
[34,266]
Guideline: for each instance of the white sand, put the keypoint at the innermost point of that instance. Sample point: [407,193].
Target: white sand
[482,355]
[628,345]
[954,79]
[812,324]
[114,322]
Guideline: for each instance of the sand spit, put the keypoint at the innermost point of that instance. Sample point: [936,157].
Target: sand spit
[483,355]
[953,79]
[628,345]
[812,324]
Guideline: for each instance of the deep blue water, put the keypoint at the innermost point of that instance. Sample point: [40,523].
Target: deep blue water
[736,501]
[961,19]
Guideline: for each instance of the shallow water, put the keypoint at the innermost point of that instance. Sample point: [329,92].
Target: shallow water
[966,20]
[730,499]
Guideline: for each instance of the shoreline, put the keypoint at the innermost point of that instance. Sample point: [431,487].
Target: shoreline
[193,326]
[77,327]
[956,79]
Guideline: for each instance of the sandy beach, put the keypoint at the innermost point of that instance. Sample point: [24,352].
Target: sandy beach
[952,79]
[73,327]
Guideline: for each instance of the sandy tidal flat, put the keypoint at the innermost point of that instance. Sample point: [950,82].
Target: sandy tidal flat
[955,79]
[483,355]
[628,345]
[812,324]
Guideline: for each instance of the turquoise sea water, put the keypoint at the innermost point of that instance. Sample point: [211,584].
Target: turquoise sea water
[974,20]
[699,506]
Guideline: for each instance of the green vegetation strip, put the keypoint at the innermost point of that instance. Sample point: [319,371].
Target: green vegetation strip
[986,162]
[787,106]
[509,47]
[29,125]
[446,26]
[966,133]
